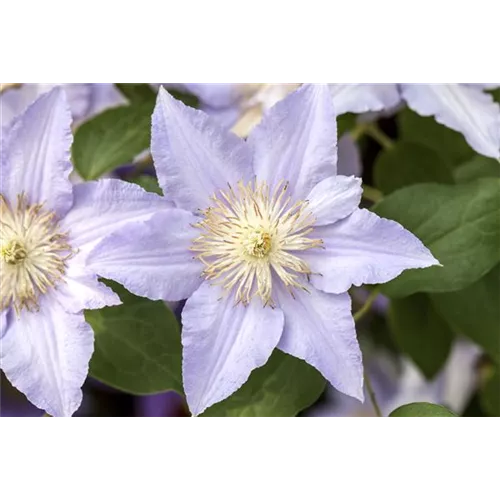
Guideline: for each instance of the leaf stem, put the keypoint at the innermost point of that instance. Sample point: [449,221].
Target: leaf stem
[357,316]
[371,393]
[372,194]
[374,131]
[367,305]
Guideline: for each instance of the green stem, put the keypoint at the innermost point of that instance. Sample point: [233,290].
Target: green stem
[372,194]
[357,316]
[376,133]
[367,305]
[371,393]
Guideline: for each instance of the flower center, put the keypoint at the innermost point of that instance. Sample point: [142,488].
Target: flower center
[33,253]
[249,238]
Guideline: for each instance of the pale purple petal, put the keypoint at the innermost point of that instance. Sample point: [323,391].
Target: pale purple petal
[223,343]
[45,355]
[364,249]
[103,96]
[101,207]
[81,290]
[193,154]
[226,117]
[297,141]
[216,95]
[36,154]
[319,329]
[363,97]
[349,157]
[152,258]
[334,199]
[460,107]
[483,86]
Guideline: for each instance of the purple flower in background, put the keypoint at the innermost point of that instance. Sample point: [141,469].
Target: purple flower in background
[393,387]
[463,107]
[84,99]
[265,242]
[240,107]
[47,229]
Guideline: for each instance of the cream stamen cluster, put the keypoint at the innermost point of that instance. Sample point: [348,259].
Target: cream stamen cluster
[249,236]
[33,253]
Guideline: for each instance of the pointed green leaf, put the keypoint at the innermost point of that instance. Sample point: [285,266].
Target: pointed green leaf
[459,224]
[111,139]
[475,311]
[477,168]
[422,410]
[137,346]
[282,388]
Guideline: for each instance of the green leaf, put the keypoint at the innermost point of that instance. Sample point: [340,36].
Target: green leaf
[406,164]
[475,311]
[490,395]
[111,139]
[420,332]
[450,145]
[137,93]
[459,224]
[137,346]
[148,182]
[282,388]
[187,98]
[477,168]
[422,410]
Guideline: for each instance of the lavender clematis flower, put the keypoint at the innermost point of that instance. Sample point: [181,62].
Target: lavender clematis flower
[262,232]
[47,229]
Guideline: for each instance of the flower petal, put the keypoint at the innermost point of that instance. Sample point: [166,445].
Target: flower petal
[223,343]
[460,107]
[483,86]
[81,290]
[319,329]
[36,154]
[216,95]
[349,157]
[193,154]
[297,141]
[364,249]
[45,355]
[334,199]
[152,258]
[103,206]
[363,97]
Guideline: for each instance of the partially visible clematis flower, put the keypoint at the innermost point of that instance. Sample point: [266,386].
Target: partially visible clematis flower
[265,241]
[47,229]
[452,387]
[463,107]
[84,99]
[241,106]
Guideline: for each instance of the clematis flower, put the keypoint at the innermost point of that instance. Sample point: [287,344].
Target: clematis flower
[452,387]
[264,242]
[47,229]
